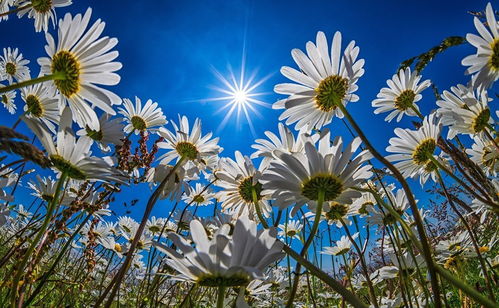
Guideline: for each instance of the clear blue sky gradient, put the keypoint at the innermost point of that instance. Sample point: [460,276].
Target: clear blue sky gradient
[169,49]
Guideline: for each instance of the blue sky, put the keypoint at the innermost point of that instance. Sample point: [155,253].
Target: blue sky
[170,48]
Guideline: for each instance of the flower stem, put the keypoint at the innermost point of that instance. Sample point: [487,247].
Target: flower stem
[472,292]
[47,274]
[220,297]
[22,84]
[412,202]
[310,239]
[116,282]
[372,294]
[465,186]
[338,287]
[48,217]
[15,10]
[417,112]
[472,237]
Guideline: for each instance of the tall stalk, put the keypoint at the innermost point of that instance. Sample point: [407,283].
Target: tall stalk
[412,202]
[48,217]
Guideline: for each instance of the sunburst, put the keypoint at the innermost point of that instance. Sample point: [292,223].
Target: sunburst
[240,96]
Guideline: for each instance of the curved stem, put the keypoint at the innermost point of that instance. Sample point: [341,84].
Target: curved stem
[48,217]
[138,234]
[59,257]
[22,84]
[15,10]
[472,237]
[372,294]
[458,180]
[317,272]
[465,288]
[417,112]
[412,202]
[310,239]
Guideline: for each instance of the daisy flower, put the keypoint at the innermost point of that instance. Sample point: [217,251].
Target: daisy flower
[140,119]
[45,189]
[8,100]
[225,260]
[43,11]
[484,65]
[238,179]
[111,244]
[187,143]
[199,195]
[176,184]
[485,154]
[338,213]
[5,7]
[13,66]
[126,224]
[365,203]
[285,142]
[292,229]
[459,97]
[342,246]
[474,119]
[299,177]
[41,104]
[6,181]
[323,82]
[155,225]
[110,132]
[85,59]
[399,203]
[72,156]
[414,148]
[401,96]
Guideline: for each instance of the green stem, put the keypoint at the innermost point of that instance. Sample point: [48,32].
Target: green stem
[472,237]
[116,282]
[317,272]
[412,202]
[15,10]
[417,112]
[220,297]
[470,291]
[22,84]
[310,239]
[465,186]
[372,294]
[48,217]
[57,260]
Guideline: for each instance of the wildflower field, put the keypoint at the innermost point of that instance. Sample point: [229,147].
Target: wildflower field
[113,201]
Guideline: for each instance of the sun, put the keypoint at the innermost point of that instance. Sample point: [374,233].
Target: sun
[239,95]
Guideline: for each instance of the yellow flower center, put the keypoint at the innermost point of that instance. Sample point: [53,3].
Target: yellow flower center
[35,107]
[138,123]
[329,183]
[481,121]
[494,58]
[330,92]
[10,68]
[66,62]
[246,190]
[67,167]
[423,151]
[42,6]
[187,150]
[405,100]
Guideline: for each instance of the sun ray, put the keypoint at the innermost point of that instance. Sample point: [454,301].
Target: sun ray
[240,96]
